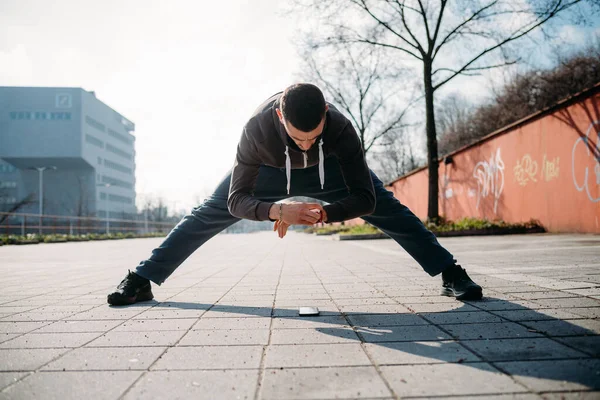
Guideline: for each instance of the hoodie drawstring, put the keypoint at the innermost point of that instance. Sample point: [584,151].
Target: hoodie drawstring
[288,166]
[321,164]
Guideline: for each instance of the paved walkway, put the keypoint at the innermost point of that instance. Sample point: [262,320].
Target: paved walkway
[225,325]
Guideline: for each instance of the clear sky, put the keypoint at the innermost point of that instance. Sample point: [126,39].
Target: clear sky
[188,73]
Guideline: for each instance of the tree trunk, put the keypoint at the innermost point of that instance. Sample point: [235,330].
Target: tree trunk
[432,146]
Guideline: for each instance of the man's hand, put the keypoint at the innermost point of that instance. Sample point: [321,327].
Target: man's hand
[297,213]
[281,228]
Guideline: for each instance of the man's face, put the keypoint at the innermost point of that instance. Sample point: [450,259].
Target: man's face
[304,140]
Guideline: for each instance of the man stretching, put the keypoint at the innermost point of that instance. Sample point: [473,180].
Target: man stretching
[296,144]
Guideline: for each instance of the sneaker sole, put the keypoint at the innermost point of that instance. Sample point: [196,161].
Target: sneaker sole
[126,301]
[473,294]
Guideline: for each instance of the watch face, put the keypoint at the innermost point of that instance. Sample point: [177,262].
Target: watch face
[63,100]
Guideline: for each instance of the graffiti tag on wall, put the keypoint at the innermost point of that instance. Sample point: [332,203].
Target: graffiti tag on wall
[550,168]
[527,169]
[584,180]
[490,178]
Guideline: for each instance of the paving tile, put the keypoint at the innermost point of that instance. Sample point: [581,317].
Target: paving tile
[566,302]
[496,330]
[461,317]
[353,302]
[539,315]
[37,316]
[224,384]
[79,326]
[73,385]
[555,374]
[27,359]
[314,336]
[448,379]
[225,337]
[572,396]
[566,328]
[7,378]
[49,340]
[439,307]
[552,294]
[166,313]
[425,299]
[309,322]
[401,333]
[375,309]
[520,349]
[104,313]
[419,353]
[144,325]
[315,355]
[505,305]
[125,339]
[106,358]
[20,327]
[237,312]
[588,312]
[586,344]
[210,357]
[323,383]
[232,323]
[4,337]
[377,320]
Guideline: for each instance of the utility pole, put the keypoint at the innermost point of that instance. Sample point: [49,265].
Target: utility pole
[106,206]
[41,192]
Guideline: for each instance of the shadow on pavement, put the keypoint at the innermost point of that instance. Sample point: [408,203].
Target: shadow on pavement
[517,340]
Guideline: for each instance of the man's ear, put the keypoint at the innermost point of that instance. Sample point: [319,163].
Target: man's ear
[279,114]
[326,107]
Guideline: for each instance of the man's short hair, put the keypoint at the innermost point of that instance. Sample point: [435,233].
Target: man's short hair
[303,106]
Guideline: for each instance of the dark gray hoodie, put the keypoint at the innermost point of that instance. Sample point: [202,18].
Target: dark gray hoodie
[265,141]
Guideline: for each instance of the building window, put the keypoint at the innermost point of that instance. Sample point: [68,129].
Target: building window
[118,151]
[93,123]
[7,168]
[116,182]
[119,199]
[117,167]
[119,136]
[40,116]
[8,200]
[8,185]
[94,140]
[99,160]
[102,196]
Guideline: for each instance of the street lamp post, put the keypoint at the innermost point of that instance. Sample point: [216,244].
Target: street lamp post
[106,206]
[41,192]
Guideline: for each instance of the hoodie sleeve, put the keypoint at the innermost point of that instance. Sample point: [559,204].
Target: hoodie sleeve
[357,177]
[241,201]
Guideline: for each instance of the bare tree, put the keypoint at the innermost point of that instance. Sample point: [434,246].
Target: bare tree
[396,157]
[358,80]
[453,120]
[29,199]
[524,93]
[444,40]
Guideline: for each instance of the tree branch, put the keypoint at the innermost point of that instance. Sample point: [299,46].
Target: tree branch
[459,26]
[389,28]
[476,68]
[514,36]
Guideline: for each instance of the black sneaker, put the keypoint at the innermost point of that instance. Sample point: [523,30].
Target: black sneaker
[132,289]
[456,283]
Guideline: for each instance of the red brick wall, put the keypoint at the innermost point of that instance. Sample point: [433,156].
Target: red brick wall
[546,168]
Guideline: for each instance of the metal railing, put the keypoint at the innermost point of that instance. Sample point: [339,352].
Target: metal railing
[23,224]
